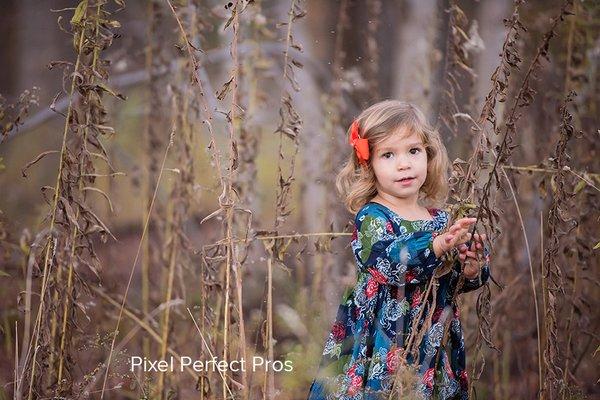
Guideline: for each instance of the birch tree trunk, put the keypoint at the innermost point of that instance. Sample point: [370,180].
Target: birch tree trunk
[412,63]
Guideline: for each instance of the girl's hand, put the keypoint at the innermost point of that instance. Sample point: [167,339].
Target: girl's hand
[473,257]
[456,235]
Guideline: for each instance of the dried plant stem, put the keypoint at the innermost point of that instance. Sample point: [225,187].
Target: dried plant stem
[194,68]
[289,126]
[141,323]
[53,319]
[414,339]
[75,229]
[303,235]
[567,83]
[145,181]
[137,255]
[269,382]
[16,371]
[203,300]
[27,323]
[554,171]
[275,237]
[543,283]
[500,81]
[523,90]
[173,239]
[47,267]
[165,324]
[210,352]
[66,311]
[227,199]
[242,332]
[554,385]
[229,217]
[568,329]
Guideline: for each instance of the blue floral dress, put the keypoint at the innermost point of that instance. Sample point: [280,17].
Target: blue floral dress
[395,260]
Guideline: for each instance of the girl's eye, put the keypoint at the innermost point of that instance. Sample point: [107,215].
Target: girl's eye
[415,148]
[387,154]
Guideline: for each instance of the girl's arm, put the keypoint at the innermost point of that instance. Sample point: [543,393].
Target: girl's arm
[387,257]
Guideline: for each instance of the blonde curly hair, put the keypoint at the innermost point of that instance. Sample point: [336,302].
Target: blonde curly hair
[356,182]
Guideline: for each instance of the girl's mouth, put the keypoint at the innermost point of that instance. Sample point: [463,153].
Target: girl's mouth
[406,181]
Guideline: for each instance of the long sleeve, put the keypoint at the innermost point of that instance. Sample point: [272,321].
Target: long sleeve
[392,258]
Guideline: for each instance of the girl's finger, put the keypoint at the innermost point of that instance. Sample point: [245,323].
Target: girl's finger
[467,221]
[457,227]
[464,222]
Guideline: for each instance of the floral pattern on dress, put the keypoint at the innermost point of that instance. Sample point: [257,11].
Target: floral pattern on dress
[395,261]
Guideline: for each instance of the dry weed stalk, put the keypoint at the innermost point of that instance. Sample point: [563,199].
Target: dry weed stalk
[290,126]
[152,142]
[553,273]
[72,222]
[502,153]
[467,195]
[457,66]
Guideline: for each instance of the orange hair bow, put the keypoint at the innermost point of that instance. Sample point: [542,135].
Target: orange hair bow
[361,145]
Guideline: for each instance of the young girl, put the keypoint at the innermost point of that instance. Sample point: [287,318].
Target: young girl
[397,164]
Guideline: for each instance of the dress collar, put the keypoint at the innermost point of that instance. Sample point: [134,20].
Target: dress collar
[438,221]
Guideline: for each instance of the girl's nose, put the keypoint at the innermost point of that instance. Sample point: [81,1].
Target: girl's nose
[402,163]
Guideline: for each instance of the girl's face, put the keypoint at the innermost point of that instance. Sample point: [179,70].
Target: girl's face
[399,157]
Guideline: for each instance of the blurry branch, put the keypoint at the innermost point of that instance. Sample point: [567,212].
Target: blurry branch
[299,235]
[289,236]
[129,79]
[548,170]
[580,175]
[13,115]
